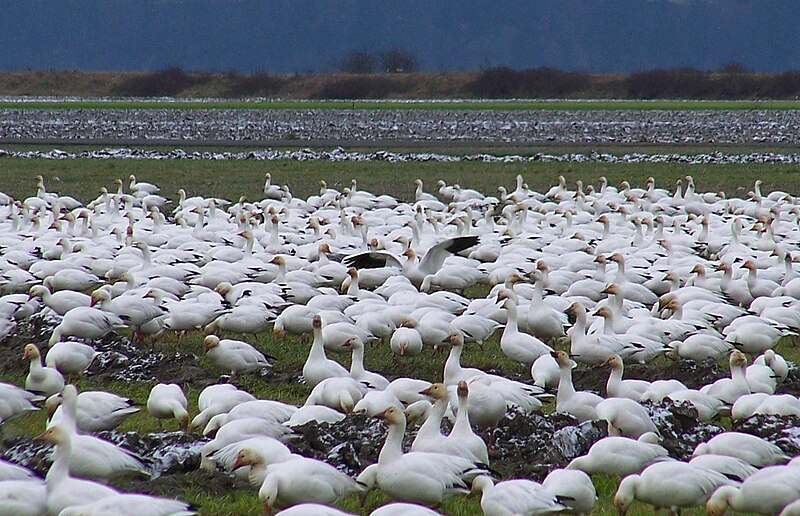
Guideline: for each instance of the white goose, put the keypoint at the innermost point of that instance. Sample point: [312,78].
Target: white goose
[45,380]
[420,477]
[673,485]
[580,405]
[574,488]
[519,347]
[167,401]
[87,323]
[621,456]
[97,411]
[23,497]
[70,358]
[625,417]
[235,356]
[751,449]
[781,482]
[616,387]
[515,497]
[62,490]
[318,367]
[62,301]
[15,401]
[131,504]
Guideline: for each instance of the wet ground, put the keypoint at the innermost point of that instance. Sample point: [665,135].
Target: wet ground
[523,445]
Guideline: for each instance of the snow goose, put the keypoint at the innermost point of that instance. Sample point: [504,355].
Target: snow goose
[406,341]
[462,433]
[11,471]
[781,482]
[429,436]
[515,497]
[250,318]
[420,477]
[217,399]
[136,311]
[72,279]
[302,480]
[430,264]
[311,509]
[751,449]
[357,371]
[616,387]
[167,401]
[268,410]
[580,405]
[574,488]
[131,504]
[625,417]
[708,407]
[62,490]
[338,393]
[62,301]
[593,349]
[70,358]
[375,402]
[235,356]
[519,347]
[732,467]
[701,346]
[317,366]
[775,362]
[97,411]
[87,323]
[315,413]
[23,497]
[545,372]
[621,456]
[729,389]
[15,401]
[40,379]
[475,328]
[673,485]
[403,509]
[237,431]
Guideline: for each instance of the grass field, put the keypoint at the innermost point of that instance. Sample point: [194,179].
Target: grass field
[232,179]
[82,178]
[516,104]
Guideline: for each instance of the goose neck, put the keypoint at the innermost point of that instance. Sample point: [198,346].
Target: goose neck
[393,446]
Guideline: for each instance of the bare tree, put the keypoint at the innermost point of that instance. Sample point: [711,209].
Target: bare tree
[358,61]
[397,60]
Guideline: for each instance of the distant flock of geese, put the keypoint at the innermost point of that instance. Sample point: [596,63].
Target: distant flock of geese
[620,275]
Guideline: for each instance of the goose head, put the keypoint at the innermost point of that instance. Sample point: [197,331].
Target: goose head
[210,342]
[437,391]
[454,339]
[462,390]
[562,359]
[614,361]
[54,435]
[392,415]
[247,457]
[603,311]
[737,359]
[31,352]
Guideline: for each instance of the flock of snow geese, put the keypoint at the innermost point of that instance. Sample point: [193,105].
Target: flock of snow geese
[618,275]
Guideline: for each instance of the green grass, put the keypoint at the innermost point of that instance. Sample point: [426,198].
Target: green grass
[81,178]
[231,179]
[467,104]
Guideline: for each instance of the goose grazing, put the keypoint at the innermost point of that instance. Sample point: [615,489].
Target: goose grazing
[131,504]
[419,477]
[573,488]
[406,342]
[625,417]
[15,401]
[781,482]
[87,323]
[580,405]
[672,485]
[749,448]
[515,497]
[318,367]
[338,393]
[70,358]
[301,480]
[167,401]
[235,356]
[621,456]
[97,411]
[430,264]
[62,301]
[40,379]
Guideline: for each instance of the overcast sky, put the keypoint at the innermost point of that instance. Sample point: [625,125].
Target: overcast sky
[314,35]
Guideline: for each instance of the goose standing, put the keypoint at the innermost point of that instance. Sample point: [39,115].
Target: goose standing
[235,356]
[317,366]
[45,380]
[580,405]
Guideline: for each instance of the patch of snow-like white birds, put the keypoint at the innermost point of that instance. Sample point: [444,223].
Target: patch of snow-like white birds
[623,275]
